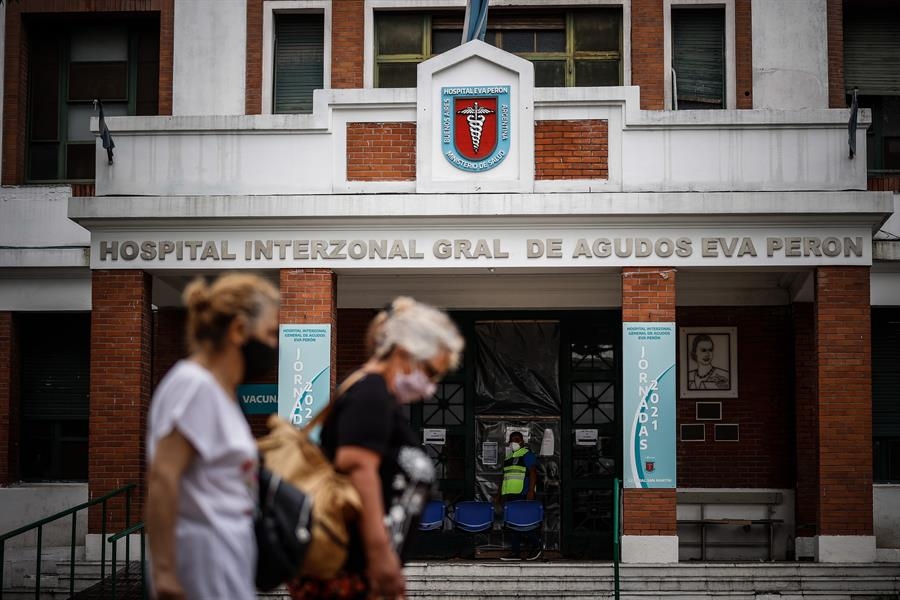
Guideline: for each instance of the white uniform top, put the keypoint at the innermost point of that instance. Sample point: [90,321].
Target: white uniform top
[215,547]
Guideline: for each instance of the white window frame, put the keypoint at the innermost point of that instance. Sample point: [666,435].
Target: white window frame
[423,5]
[270,8]
[730,61]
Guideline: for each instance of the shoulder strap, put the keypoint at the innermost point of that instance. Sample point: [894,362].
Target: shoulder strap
[345,385]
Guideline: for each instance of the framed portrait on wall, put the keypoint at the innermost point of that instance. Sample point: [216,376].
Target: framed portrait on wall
[708,366]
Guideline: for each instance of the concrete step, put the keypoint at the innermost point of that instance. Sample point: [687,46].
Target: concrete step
[751,581]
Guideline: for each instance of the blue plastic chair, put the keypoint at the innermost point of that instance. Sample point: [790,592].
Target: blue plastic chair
[474,516]
[432,516]
[523,515]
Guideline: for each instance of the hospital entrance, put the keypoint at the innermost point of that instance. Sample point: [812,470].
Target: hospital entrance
[554,377]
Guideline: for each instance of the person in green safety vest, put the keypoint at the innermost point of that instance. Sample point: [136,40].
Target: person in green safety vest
[519,483]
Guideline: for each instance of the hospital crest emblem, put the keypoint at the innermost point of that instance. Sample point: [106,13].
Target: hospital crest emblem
[475,126]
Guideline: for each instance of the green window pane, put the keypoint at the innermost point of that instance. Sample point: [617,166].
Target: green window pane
[45,90]
[550,73]
[551,41]
[397,75]
[43,160]
[597,30]
[596,72]
[445,39]
[518,41]
[399,34]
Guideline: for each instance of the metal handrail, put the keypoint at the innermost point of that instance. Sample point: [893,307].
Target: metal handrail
[115,538]
[39,525]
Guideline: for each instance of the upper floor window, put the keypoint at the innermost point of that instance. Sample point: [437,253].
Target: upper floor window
[871,48]
[70,65]
[580,47]
[698,57]
[299,61]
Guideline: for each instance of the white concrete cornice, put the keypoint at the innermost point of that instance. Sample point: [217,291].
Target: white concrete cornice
[646,209]
[45,257]
[888,250]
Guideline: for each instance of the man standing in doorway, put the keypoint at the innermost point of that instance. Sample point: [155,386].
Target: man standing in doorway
[519,483]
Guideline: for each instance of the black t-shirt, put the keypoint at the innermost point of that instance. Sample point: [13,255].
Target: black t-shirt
[368,416]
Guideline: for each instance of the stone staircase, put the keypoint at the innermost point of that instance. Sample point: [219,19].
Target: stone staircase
[556,580]
[19,569]
[739,581]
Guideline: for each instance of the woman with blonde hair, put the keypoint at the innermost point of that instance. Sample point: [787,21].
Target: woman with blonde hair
[367,437]
[202,474]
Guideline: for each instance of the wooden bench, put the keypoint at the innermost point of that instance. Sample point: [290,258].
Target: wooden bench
[715,497]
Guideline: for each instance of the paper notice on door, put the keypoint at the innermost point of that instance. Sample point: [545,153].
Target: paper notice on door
[489,453]
[438,437]
[585,437]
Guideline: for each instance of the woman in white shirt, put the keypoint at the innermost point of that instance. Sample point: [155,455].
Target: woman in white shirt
[202,475]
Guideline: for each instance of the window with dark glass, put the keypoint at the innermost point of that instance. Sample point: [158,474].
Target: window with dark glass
[55,388]
[698,58]
[568,48]
[871,66]
[299,61]
[70,65]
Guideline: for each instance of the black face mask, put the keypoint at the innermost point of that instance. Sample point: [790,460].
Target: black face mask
[259,358]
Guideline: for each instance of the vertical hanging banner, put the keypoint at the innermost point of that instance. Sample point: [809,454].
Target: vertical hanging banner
[648,399]
[304,371]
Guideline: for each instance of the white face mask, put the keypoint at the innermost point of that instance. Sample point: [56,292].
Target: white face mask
[410,387]
[514,446]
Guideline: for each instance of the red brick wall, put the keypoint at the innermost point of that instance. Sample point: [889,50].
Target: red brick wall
[647,69]
[649,512]
[15,83]
[835,12]
[120,387]
[806,419]
[884,183]
[169,341]
[743,42]
[843,347]
[381,151]
[351,339]
[253,83]
[648,296]
[571,149]
[310,296]
[763,409]
[347,44]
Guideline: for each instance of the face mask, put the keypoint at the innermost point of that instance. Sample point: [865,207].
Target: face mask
[259,358]
[409,387]
[514,446]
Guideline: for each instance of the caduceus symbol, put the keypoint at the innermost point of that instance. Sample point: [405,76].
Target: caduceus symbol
[475,115]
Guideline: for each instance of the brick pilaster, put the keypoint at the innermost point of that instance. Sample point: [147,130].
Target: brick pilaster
[743,42]
[253,84]
[647,70]
[648,295]
[806,419]
[835,24]
[169,340]
[844,383]
[347,18]
[120,389]
[310,296]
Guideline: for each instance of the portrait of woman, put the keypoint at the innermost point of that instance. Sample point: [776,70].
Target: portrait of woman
[708,360]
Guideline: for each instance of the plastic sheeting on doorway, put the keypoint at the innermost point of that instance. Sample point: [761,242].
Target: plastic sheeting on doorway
[517,368]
